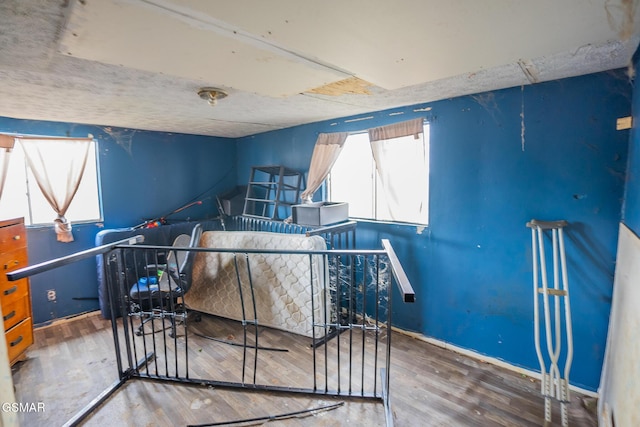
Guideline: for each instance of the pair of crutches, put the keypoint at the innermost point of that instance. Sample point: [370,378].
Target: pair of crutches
[555,384]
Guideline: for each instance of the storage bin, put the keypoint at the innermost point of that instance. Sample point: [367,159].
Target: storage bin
[320,213]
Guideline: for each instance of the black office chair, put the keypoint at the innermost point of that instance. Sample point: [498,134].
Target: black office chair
[158,293]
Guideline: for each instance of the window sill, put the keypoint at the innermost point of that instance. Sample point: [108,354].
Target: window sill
[97,222]
[377,221]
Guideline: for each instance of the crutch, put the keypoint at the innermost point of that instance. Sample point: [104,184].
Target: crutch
[553,385]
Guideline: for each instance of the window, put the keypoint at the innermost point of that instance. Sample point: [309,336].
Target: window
[355,179]
[21,196]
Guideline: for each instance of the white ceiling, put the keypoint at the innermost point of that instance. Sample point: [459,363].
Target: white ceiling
[139,63]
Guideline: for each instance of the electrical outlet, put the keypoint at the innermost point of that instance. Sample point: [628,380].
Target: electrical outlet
[51,294]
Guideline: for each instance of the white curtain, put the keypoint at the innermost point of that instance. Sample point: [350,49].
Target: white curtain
[6,145]
[325,153]
[58,166]
[402,169]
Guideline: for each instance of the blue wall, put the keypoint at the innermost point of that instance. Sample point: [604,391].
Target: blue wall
[631,214]
[144,175]
[471,268]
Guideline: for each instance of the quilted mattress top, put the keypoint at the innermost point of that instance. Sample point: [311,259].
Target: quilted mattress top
[280,290]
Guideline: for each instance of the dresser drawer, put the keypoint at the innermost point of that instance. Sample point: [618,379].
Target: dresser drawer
[19,338]
[13,291]
[15,312]
[13,236]
[12,260]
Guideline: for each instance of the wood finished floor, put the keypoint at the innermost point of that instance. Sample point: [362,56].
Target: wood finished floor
[73,361]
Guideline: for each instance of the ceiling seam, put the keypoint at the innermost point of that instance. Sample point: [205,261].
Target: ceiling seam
[237,33]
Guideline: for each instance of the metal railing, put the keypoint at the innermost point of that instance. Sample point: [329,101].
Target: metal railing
[159,339]
[337,236]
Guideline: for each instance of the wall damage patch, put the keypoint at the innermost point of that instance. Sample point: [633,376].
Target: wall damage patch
[621,17]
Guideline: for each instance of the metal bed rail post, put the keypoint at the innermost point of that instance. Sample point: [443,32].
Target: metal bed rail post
[408,296]
[337,236]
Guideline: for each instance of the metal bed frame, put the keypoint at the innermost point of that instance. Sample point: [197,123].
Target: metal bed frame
[360,285]
[337,236]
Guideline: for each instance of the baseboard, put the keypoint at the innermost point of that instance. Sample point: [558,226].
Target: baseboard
[487,359]
[66,319]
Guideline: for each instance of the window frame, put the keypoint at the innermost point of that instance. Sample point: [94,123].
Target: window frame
[30,186]
[376,184]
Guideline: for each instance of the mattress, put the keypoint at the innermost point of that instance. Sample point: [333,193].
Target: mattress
[289,290]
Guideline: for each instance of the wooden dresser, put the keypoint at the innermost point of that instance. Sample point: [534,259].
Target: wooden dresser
[15,296]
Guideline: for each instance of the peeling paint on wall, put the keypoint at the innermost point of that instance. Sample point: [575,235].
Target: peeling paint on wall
[529,70]
[631,72]
[522,128]
[350,86]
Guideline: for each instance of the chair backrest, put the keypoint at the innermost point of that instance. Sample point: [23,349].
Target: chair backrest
[176,258]
[185,258]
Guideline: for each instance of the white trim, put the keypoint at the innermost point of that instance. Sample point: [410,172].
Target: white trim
[487,359]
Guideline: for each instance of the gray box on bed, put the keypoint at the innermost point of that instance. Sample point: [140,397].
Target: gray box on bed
[320,213]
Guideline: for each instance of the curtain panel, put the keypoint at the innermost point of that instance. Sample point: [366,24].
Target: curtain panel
[58,166]
[397,130]
[325,153]
[402,169]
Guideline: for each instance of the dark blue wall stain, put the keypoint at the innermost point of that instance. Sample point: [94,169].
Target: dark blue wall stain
[471,268]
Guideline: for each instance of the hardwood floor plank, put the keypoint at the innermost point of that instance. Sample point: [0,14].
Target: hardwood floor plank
[71,363]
